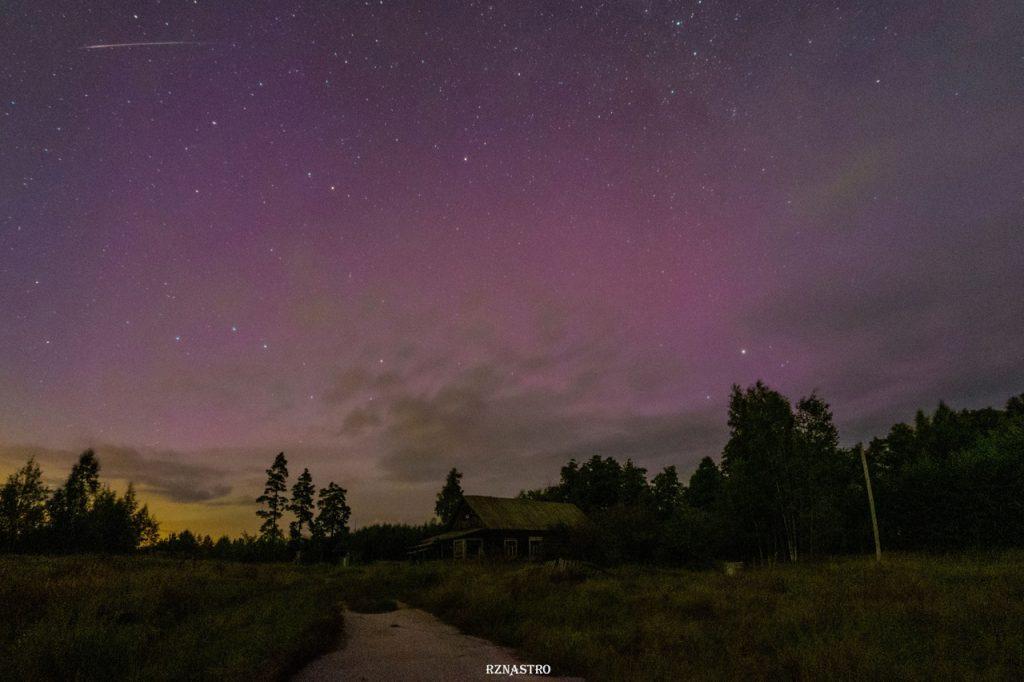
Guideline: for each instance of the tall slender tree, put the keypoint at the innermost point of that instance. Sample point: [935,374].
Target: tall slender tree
[331,525]
[450,497]
[301,506]
[69,506]
[273,499]
[818,476]
[758,464]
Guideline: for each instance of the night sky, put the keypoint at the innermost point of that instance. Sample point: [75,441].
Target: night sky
[391,238]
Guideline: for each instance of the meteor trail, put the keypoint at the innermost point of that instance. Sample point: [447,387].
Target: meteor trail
[107,46]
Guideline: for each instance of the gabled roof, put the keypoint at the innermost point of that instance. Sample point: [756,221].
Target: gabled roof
[504,513]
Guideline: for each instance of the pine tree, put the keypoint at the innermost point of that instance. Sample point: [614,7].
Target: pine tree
[273,499]
[450,497]
[331,526]
[302,505]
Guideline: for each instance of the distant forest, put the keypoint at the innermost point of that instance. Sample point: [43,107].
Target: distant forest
[953,480]
[783,490]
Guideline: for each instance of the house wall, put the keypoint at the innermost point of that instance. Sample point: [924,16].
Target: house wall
[552,545]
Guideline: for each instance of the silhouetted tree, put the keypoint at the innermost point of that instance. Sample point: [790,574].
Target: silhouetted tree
[1015,406]
[667,491]
[759,469]
[302,505]
[633,486]
[450,497]
[817,472]
[116,523]
[70,504]
[705,488]
[387,541]
[273,499]
[184,542]
[22,507]
[598,484]
[331,526]
[952,479]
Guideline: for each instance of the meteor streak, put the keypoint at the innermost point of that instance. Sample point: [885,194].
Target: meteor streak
[107,46]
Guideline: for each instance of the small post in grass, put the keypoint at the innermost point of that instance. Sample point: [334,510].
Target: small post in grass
[871,504]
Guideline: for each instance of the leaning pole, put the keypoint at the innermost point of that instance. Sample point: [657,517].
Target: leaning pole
[871,505]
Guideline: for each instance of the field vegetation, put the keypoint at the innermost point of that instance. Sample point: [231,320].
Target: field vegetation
[113,618]
[913,617]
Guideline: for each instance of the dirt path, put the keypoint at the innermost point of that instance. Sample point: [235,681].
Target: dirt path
[409,644]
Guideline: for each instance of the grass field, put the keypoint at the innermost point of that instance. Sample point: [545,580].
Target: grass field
[914,617]
[922,618]
[101,618]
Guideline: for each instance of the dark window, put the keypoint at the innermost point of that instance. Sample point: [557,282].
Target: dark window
[511,548]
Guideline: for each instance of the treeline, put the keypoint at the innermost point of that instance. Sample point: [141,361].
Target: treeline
[80,516]
[785,489]
[376,542]
[318,531]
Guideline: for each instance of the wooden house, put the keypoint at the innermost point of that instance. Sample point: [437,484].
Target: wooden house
[501,527]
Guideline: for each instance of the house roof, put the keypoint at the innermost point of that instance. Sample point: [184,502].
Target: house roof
[503,513]
[451,535]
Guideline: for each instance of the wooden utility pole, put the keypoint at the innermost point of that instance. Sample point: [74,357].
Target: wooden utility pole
[871,504]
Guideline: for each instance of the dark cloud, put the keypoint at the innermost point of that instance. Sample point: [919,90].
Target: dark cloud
[165,474]
[494,424]
[359,419]
[883,335]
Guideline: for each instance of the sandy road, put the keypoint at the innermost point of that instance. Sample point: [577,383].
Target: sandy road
[409,644]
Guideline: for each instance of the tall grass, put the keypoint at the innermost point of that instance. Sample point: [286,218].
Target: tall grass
[101,618]
[912,618]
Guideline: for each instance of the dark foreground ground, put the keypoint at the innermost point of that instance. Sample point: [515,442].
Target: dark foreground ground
[915,617]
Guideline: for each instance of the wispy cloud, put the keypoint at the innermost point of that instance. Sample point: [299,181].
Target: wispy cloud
[167,474]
